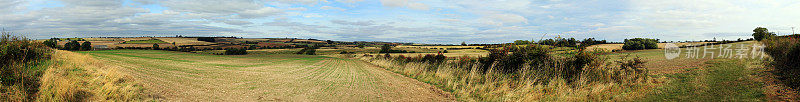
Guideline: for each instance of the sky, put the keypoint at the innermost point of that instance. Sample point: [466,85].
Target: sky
[417,21]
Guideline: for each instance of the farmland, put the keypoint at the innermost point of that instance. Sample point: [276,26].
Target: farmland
[180,76]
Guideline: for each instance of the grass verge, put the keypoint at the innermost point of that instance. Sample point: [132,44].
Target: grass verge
[721,80]
[78,77]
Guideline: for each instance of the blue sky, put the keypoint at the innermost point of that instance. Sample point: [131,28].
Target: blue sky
[420,21]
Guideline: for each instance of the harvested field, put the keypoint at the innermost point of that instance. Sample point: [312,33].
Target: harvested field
[445,47]
[196,77]
[184,41]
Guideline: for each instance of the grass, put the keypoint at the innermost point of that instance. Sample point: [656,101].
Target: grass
[262,77]
[78,77]
[722,80]
[150,41]
[470,84]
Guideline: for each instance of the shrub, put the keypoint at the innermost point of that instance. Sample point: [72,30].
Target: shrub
[524,74]
[19,74]
[785,53]
[640,44]
[156,47]
[86,46]
[506,63]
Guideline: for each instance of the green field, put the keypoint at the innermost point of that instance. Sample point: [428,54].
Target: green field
[151,41]
[178,76]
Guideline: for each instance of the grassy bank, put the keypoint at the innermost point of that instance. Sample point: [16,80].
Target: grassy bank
[79,77]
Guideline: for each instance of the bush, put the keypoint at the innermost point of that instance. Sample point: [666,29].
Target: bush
[640,44]
[156,47]
[507,63]
[86,46]
[18,72]
[236,51]
[516,73]
[785,53]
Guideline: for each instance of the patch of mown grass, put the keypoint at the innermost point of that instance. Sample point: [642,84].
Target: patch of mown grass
[722,80]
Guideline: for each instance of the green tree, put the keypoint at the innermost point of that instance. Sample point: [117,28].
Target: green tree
[463,43]
[72,45]
[52,43]
[86,46]
[761,33]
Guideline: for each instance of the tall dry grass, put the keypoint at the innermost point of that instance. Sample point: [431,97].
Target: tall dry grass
[598,80]
[79,77]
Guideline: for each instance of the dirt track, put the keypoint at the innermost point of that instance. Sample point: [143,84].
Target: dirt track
[193,77]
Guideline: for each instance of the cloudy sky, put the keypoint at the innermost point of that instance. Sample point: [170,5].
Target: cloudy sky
[422,21]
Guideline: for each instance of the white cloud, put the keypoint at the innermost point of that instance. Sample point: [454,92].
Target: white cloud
[263,12]
[331,8]
[237,22]
[405,3]
[417,6]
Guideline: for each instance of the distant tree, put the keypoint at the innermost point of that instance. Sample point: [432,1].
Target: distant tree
[312,51]
[761,33]
[52,43]
[360,46]
[640,44]
[72,45]
[386,48]
[86,46]
[236,51]
[463,43]
[207,39]
[445,51]
[522,42]
[156,47]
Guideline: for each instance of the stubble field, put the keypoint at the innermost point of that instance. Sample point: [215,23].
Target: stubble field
[176,76]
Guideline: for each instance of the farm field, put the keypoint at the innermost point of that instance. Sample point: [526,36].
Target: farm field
[177,76]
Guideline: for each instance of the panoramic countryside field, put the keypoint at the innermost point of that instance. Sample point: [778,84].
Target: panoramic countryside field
[399,51]
[237,69]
